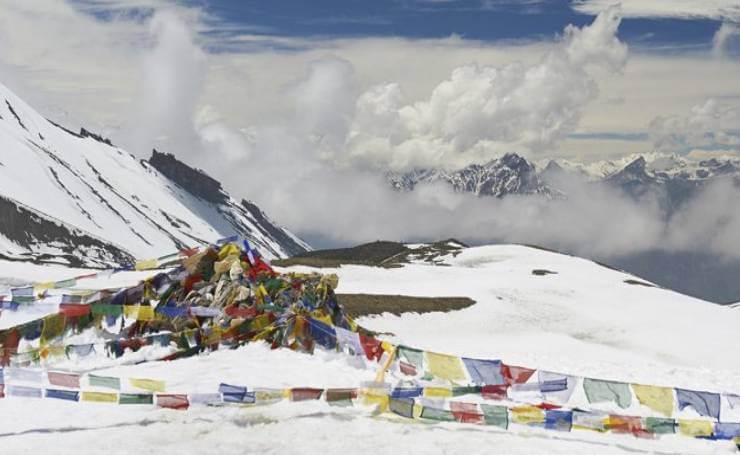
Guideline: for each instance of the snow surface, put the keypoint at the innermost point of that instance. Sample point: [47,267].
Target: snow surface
[584,320]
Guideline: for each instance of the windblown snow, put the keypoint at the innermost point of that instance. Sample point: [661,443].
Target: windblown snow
[583,319]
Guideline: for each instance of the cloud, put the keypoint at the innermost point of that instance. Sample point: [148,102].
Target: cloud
[722,37]
[682,9]
[711,125]
[172,78]
[482,111]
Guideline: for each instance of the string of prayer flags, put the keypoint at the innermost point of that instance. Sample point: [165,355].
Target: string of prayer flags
[659,399]
[484,372]
[705,403]
[599,391]
[445,366]
[466,412]
[148,384]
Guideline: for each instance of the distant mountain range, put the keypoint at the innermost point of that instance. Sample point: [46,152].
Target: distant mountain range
[671,179]
[77,199]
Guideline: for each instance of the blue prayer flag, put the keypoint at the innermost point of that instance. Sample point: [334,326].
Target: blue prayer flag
[71,395]
[705,403]
[484,372]
[726,430]
[558,420]
[407,392]
[322,333]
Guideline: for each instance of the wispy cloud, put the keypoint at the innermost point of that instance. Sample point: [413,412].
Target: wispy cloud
[681,9]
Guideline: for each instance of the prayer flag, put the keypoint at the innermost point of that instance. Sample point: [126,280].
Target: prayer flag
[598,391]
[626,424]
[346,339]
[323,334]
[172,401]
[70,395]
[659,425]
[441,415]
[695,428]
[705,403]
[71,380]
[445,366]
[305,393]
[466,412]
[106,309]
[23,391]
[528,415]
[516,375]
[136,398]
[407,368]
[466,390]
[659,399]
[104,381]
[403,407]
[24,375]
[587,420]
[495,392]
[205,398]
[267,396]
[724,430]
[340,397]
[372,348]
[484,372]
[437,392]
[148,384]
[54,326]
[556,387]
[100,397]
[558,420]
[146,313]
[233,393]
[495,415]
[407,392]
[63,284]
[146,264]
[72,310]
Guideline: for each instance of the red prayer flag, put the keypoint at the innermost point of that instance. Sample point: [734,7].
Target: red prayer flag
[372,348]
[495,391]
[407,368]
[466,412]
[172,401]
[71,380]
[305,393]
[516,375]
[72,310]
[9,346]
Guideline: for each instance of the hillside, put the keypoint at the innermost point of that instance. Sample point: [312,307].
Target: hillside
[77,199]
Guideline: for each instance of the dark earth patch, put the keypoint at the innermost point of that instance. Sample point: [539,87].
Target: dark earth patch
[370,304]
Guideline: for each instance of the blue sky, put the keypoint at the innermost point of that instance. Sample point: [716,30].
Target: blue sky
[476,20]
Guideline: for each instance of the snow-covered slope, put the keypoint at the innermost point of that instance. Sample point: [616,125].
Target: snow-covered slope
[584,319]
[104,205]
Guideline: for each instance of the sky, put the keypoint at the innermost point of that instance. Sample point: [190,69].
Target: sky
[302,106]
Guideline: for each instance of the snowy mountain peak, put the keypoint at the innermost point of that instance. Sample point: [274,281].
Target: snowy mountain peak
[77,197]
[510,174]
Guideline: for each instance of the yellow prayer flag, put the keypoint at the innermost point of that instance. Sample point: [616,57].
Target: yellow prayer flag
[131,311]
[376,397]
[445,366]
[228,250]
[148,384]
[38,287]
[695,428]
[659,399]
[527,415]
[146,313]
[100,397]
[260,322]
[437,392]
[146,264]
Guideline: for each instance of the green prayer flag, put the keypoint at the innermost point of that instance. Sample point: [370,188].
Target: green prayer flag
[65,283]
[466,390]
[410,355]
[495,415]
[106,309]
[598,391]
[104,381]
[660,425]
[441,415]
[136,398]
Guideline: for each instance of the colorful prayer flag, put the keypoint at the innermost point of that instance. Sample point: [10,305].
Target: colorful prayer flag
[71,380]
[70,395]
[705,403]
[107,382]
[598,391]
[695,428]
[659,399]
[528,415]
[558,420]
[466,412]
[445,366]
[136,398]
[100,397]
[659,425]
[173,401]
[495,415]
[484,372]
[148,384]
[403,407]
